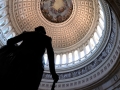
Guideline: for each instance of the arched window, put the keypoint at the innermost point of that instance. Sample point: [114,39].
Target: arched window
[82,54]
[10,36]
[2,14]
[101,13]
[64,59]
[70,57]
[2,5]
[8,30]
[101,22]
[2,23]
[5,30]
[92,43]
[87,49]
[76,55]
[96,37]
[99,30]
[13,34]
[46,58]
[57,59]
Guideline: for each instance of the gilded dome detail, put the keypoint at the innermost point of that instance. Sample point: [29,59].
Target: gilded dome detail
[56,11]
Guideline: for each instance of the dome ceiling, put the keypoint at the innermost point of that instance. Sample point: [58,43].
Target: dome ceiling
[66,21]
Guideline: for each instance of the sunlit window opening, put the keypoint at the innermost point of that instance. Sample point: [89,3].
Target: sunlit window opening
[101,13]
[82,54]
[57,61]
[2,5]
[92,43]
[2,14]
[13,34]
[64,59]
[10,36]
[101,23]
[70,58]
[99,30]
[96,37]
[2,23]
[76,55]
[87,49]
[45,58]
[6,30]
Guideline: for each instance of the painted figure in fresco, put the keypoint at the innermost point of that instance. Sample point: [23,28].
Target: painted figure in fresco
[56,11]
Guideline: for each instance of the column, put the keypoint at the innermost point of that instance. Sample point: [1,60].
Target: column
[73,56]
[79,53]
[61,59]
[84,49]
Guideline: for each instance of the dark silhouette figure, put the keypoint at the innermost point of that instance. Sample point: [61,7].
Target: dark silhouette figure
[26,70]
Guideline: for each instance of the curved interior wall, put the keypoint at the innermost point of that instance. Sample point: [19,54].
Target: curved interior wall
[83,77]
[113,81]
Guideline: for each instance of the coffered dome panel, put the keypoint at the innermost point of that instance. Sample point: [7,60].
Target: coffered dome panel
[79,22]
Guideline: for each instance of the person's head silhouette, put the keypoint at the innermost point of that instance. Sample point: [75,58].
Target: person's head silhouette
[40,29]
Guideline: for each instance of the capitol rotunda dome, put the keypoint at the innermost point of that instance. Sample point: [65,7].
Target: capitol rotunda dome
[84,34]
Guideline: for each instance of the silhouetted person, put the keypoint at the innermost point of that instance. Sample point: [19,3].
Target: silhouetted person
[26,69]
